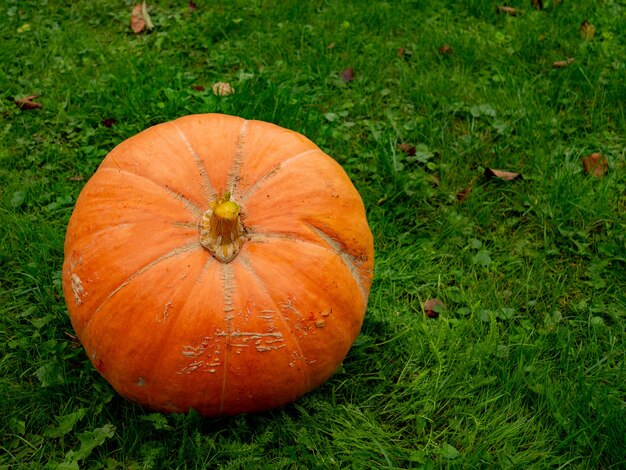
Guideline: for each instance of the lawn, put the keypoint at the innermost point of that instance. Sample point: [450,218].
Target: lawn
[522,364]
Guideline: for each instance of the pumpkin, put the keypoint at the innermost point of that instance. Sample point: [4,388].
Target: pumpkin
[218,264]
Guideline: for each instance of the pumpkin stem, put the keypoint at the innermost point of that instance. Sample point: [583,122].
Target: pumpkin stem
[221,231]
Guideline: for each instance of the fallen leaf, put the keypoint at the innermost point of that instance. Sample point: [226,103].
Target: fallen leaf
[421,153]
[198,87]
[559,64]
[501,174]
[509,10]
[347,75]
[587,30]
[331,46]
[137,23]
[404,53]
[74,341]
[192,6]
[140,18]
[222,89]
[537,4]
[108,122]
[432,307]
[462,194]
[445,49]
[409,149]
[28,103]
[595,164]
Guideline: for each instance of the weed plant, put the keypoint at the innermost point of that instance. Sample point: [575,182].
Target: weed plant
[524,365]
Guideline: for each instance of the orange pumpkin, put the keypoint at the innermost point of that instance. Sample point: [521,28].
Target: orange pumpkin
[218,264]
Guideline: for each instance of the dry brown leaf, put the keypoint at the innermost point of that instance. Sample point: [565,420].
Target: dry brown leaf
[74,341]
[559,64]
[501,174]
[537,4]
[192,6]
[137,23]
[108,122]
[140,18]
[198,87]
[222,89]
[445,49]
[408,149]
[28,103]
[595,164]
[509,10]
[464,193]
[432,307]
[587,30]
[347,75]
[404,53]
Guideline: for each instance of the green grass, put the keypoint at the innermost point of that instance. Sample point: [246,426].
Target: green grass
[525,367]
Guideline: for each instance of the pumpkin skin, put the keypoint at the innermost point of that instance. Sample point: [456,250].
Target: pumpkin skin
[172,327]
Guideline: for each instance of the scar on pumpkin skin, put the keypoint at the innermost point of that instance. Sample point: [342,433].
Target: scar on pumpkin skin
[261,341]
[190,368]
[281,318]
[77,289]
[163,316]
[228,288]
